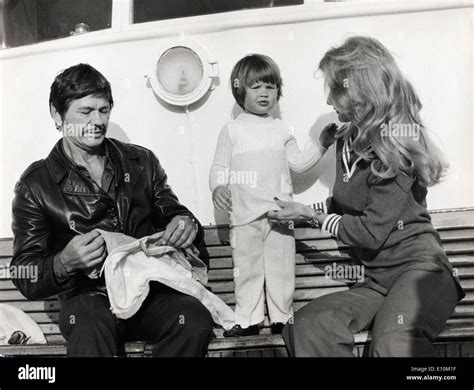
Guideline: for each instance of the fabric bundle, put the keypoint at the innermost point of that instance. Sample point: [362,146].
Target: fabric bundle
[133,263]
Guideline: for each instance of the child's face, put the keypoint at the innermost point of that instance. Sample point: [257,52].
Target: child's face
[260,98]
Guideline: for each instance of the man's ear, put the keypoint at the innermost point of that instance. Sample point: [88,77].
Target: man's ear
[56,116]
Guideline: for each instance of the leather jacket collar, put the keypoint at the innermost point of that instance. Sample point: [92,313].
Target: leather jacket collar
[124,161]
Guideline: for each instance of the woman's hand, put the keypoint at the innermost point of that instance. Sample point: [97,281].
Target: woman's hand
[290,211]
[328,135]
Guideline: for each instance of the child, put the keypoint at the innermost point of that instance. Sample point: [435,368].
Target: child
[378,209]
[249,171]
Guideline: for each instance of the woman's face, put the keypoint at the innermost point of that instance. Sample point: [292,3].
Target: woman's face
[342,113]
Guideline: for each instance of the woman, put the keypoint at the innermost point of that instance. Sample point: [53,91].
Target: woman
[379,209]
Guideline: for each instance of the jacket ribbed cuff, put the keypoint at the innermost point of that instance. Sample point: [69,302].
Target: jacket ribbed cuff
[320,206]
[331,224]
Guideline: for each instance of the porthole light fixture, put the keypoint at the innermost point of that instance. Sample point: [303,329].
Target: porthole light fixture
[183,73]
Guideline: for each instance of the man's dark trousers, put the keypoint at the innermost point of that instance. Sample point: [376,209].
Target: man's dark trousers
[178,323]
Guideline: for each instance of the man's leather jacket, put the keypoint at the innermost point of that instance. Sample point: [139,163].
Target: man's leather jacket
[53,201]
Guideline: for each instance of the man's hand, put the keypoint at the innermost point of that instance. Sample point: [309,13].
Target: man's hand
[328,135]
[82,252]
[222,199]
[180,232]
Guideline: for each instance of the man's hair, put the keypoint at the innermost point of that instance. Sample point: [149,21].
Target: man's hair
[252,69]
[75,83]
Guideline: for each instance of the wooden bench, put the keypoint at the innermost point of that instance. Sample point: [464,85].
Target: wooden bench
[314,251]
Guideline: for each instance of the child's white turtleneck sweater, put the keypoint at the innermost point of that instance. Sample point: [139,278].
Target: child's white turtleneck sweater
[253,157]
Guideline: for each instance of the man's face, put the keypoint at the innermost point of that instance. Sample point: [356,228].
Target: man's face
[85,122]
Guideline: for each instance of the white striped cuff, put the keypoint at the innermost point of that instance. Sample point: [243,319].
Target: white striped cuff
[320,206]
[331,224]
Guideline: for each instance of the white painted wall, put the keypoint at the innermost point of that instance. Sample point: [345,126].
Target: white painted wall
[433,48]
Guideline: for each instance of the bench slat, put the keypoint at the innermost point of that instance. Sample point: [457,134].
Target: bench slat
[242,343]
[442,220]
[301,234]
[226,262]
[55,339]
[464,271]
[307,288]
[316,270]
[332,249]
[457,260]
[462,257]
[36,306]
[328,247]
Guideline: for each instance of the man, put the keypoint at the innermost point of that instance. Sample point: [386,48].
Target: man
[92,182]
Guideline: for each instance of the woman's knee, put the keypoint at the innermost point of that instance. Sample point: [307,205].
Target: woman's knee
[405,342]
[315,319]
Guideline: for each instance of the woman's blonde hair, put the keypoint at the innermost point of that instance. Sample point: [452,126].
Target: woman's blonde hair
[384,109]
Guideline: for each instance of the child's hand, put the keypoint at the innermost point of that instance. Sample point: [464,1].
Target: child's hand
[328,135]
[222,199]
